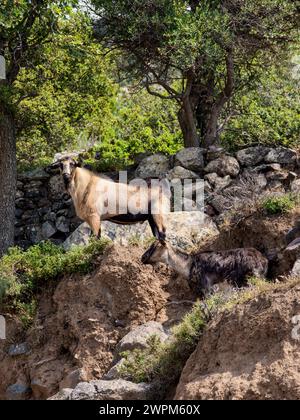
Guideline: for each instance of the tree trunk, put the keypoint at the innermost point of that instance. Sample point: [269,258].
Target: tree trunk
[7,179]
[210,136]
[187,123]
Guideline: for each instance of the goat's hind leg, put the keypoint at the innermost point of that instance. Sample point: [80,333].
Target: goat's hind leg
[95,224]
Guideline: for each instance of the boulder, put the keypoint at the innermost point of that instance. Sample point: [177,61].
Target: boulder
[281,155]
[267,167]
[56,187]
[252,156]
[81,236]
[72,379]
[154,166]
[224,165]
[113,372]
[220,203]
[19,349]
[295,186]
[138,338]
[64,394]
[17,392]
[181,173]
[296,269]
[118,389]
[48,230]
[184,228]
[190,158]
[63,224]
[214,152]
[218,182]
[187,229]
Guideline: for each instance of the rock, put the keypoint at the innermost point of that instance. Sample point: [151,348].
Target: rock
[214,152]
[113,372]
[181,173]
[277,176]
[118,389]
[220,203]
[48,230]
[64,394]
[81,236]
[224,165]
[281,155]
[183,229]
[190,158]
[56,187]
[252,156]
[154,166]
[34,234]
[19,349]
[295,186]
[50,216]
[137,338]
[218,182]
[17,392]
[186,229]
[267,167]
[73,378]
[296,269]
[62,224]
[19,194]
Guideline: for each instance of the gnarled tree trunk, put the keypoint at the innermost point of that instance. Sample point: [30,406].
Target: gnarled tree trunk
[7,179]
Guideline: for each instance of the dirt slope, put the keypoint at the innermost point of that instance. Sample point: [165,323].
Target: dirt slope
[80,321]
[248,353]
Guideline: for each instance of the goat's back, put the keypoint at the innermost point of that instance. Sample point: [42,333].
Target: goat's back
[233,265]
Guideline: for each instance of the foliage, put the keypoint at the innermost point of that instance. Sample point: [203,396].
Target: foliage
[65,96]
[22,273]
[279,204]
[70,101]
[269,114]
[198,53]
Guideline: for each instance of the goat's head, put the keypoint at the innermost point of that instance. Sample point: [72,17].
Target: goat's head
[67,167]
[158,252]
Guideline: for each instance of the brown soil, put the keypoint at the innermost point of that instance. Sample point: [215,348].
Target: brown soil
[80,321]
[248,353]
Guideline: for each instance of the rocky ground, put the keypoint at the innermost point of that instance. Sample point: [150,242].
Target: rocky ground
[248,353]
[83,323]
[81,320]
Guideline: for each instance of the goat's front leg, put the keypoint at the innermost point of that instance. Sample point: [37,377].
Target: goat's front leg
[95,224]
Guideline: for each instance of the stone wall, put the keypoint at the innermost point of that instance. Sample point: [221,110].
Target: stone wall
[44,211]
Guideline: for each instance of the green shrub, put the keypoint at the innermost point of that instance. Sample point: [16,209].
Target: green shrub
[279,204]
[22,273]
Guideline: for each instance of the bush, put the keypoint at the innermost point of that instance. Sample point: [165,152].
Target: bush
[22,273]
[279,204]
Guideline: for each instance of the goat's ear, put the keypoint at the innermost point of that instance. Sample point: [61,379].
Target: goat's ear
[55,165]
